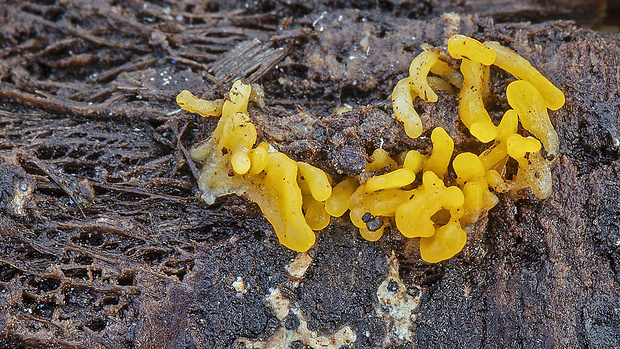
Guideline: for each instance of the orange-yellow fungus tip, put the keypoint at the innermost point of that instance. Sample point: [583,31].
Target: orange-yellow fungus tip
[443,146]
[521,69]
[530,106]
[402,105]
[187,101]
[380,161]
[395,179]
[315,214]
[461,46]
[372,235]
[418,71]
[317,181]
[414,161]
[444,244]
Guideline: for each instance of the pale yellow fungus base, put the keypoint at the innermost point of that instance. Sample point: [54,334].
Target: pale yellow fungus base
[233,165]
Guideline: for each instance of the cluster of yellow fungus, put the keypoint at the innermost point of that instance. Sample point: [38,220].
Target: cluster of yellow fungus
[529,97]
[430,210]
[232,164]
[408,192]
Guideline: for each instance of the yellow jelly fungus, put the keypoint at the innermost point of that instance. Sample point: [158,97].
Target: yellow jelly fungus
[471,176]
[468,168]
[238,132]
[536,176]
[316,216]
[486,82]
[471,105]
[402,105]
[395,179]
[414,161]
[473,204]
[381,161]
[357,210]
[366,207]
[216,153]
[521,69]
[240,161]
[285,213]
[439,84]
[372,235]
[413,218]
[234,115]
[518,147]
[418,71]
[443,146]
[496,181]
[317,181]
[187,101]
[238,137]
[297,198]
[259,158]
[369,209]
[448,73]
[338,203]
[530,106]
[232,165]
[447,241]
[534,170]
[385,202]
[238,98]
[497,153]
[461,46]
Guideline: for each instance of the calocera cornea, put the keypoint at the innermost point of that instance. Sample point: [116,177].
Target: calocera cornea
[408,192]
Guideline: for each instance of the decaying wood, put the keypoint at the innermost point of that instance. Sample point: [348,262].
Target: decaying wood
[105,244]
